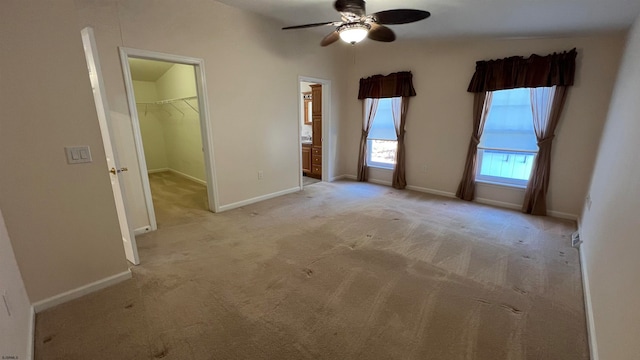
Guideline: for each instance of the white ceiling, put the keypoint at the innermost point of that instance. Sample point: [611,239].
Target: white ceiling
[464,18]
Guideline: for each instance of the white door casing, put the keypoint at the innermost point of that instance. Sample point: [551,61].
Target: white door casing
[326,126]
[113,165]
[205,128]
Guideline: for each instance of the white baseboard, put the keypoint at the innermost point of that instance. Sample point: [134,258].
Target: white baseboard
[343,177]
[186,176]
[31,342]
[563,215]
[153,171]
[431,191]
[179,173]
[588,307]
[501,204]
[141,230]
[552,213]
[81,291]
[258,199]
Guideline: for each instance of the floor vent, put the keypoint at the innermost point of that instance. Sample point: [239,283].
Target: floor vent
[575,239]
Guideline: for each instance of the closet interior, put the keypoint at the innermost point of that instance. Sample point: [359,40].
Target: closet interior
[169,116]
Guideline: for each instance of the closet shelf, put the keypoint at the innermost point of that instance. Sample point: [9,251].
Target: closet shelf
[168,101]
[171,102]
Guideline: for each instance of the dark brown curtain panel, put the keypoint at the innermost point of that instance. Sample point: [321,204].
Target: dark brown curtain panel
[546,104]
[399,108]
[370,108]
[376,87]
[398,84]
[481,106]
[517,72]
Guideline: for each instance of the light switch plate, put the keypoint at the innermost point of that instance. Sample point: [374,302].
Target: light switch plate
[78,154]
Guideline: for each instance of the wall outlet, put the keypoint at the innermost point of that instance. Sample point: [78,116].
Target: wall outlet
[260,175]
[575,239]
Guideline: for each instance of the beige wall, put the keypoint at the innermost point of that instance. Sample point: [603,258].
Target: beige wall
[15,324]
[610,226]
[61,218]
[439,119]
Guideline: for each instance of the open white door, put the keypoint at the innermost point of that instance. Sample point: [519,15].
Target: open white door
[113,167]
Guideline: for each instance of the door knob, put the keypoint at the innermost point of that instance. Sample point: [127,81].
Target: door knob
[114,171]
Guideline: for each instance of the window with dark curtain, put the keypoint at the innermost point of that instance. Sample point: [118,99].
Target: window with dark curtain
[555,71]
[397,85]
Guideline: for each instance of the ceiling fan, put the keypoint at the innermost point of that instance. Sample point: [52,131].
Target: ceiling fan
[356,24]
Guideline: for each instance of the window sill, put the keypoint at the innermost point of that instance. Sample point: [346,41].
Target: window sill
[382,167]
[503,185]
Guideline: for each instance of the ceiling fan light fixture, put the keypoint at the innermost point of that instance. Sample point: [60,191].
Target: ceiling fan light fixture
[354,32]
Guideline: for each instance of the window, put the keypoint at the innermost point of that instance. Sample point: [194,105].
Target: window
[382,142]
[508,144]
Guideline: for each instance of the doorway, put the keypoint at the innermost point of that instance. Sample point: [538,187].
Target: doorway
[314,108]
[310,174]
[168,108]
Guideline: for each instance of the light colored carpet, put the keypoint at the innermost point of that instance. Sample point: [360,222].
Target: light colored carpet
[341,270]
[177,200]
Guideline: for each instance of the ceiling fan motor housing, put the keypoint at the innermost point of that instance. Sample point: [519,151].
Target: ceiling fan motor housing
[351,6]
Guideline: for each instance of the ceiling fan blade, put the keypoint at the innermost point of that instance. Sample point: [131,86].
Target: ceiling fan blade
[330,39]
[333,23]
[400,16]
[381,33]
[350,6]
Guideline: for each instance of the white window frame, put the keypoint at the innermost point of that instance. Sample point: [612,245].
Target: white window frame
[499,180]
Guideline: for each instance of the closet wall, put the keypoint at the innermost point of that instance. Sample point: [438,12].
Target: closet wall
[170,123]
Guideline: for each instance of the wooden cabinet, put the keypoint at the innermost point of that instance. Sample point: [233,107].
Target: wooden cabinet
[316,135]
[306,158]
[316,138]
[316,96]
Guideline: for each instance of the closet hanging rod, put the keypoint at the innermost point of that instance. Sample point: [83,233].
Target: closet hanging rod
[168,101]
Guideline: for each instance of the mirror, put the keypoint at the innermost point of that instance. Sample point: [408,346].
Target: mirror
[307,108]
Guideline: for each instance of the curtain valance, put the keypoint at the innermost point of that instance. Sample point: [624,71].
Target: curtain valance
[517,72]
[398,84]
